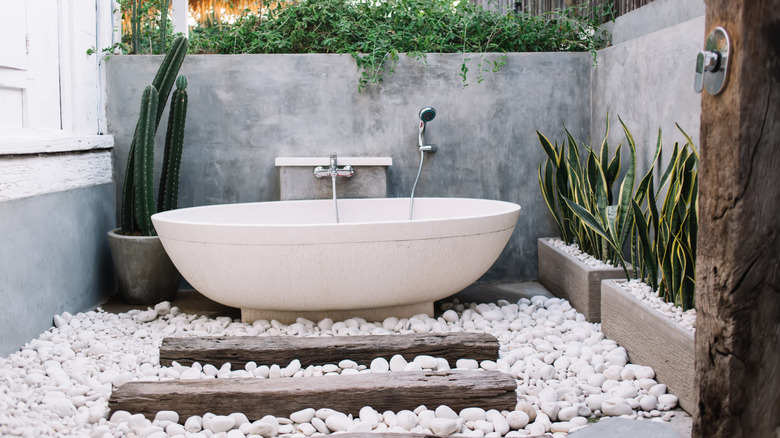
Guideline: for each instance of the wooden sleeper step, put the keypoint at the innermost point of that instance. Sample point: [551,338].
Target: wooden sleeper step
[280,397]
[281,350]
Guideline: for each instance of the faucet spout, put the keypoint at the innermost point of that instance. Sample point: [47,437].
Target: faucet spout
[333,171]
[333,164]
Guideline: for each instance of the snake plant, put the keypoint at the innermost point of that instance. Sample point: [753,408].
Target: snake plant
[661,242]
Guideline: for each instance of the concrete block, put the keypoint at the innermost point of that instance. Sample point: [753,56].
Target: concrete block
[651,339]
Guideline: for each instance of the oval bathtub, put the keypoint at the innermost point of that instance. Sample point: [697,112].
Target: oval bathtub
[281,260]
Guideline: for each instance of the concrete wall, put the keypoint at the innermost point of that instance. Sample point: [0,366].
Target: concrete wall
[246,110]
[56,187]
[647,78]
[54,258]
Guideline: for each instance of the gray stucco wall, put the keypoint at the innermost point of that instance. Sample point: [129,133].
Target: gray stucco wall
[652,17]
[246,110]
[648,82]
[54,258]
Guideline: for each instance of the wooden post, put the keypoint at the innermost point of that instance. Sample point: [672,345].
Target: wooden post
[280,350]
[738,259]
[256,398]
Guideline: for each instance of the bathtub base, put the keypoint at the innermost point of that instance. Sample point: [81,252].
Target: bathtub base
[370,315]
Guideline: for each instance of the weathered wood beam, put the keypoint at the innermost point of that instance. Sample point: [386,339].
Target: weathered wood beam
[280,397]
[738,259]
[239,350]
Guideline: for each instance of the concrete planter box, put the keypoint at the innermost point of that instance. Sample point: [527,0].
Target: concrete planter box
[651,339]
[567,277]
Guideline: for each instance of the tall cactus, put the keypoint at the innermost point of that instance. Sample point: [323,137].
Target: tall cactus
[163,83]
[174,141]
[143,177]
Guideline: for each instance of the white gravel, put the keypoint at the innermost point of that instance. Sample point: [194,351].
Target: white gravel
[642,291]
[582,256]
[59,383]
[650,297]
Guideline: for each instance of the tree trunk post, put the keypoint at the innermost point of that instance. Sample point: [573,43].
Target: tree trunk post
[738,259]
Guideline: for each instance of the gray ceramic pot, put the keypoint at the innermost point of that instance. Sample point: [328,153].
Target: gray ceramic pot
[144,271]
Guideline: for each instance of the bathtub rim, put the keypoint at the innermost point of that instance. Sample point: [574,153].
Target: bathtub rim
[165,215]
[232,233]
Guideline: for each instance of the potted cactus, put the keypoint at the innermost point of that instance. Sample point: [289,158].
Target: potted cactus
[145,273]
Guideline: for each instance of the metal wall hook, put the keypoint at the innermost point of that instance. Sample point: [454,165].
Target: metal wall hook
[712,64]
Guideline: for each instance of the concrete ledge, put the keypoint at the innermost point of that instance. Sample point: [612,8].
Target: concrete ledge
[325,161]
[651,339]
[567,277]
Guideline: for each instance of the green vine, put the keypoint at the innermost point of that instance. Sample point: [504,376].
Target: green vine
[376,32]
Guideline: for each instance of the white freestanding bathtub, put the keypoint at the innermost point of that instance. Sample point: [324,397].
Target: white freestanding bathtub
[288,259]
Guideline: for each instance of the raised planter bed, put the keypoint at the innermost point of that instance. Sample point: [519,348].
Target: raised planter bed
[651,339]
[567,277]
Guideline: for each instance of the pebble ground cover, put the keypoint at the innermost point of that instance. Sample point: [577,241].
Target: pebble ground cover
[567,373]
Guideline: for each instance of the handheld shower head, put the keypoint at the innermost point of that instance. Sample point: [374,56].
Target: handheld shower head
[427,114]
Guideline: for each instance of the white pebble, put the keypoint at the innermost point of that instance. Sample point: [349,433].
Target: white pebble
[320,425]
[338,422]
[567,413]
[291,369]
[450,316]
[369,416]
[406,420]
[426,362]
[644,373]
[445,426]
[193,424]
[174,429]
[657,390]
[424,418]
[146,316]
[239,418]
[483,426]
[517,420]
[218,423]
[445,412]
[172,416]
[472,414]
[303,416]
[467,364]
[307,429]
[667,401]
[162,308]
[262,428]
[615,407]
[551,409]
[500,424]
[564,427]
[235,433]
[412,366]
[379,365]
[348,364]
[397,363]
[648,403]
[330,368]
